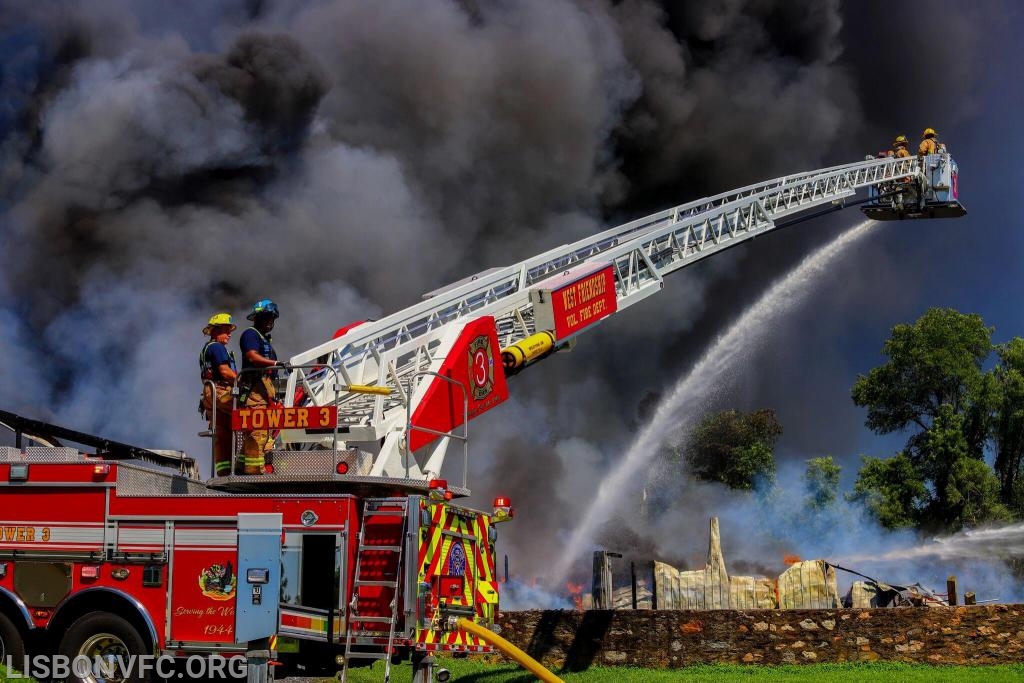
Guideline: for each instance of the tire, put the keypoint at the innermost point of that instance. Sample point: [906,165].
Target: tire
[100,634]
[12,644]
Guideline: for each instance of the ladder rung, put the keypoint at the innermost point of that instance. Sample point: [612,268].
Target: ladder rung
[369,655]
[395,508]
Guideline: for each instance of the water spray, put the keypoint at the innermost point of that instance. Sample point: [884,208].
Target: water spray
[1005,542]
[677,412]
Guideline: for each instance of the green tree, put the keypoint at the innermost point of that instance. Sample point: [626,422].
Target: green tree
[934,362]
[892,490]
[933,383]
[1008,425]
[963,490]
[821,482]
[972,495]
[734,448]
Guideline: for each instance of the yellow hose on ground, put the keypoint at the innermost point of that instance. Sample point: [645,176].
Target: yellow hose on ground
[525,660]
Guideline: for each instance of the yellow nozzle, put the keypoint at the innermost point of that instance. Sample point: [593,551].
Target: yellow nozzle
[367,389]
[510,650]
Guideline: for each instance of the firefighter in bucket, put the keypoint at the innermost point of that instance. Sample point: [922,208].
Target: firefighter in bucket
[217,365]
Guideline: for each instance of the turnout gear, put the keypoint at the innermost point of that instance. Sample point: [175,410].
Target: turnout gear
[263,306]
[256,443]
[257,381]
[258,391]
[216,401]
[900,143]
[929,144]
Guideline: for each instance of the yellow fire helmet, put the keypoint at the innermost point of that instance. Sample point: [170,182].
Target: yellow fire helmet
[900,140]
[218,319]
[928,133]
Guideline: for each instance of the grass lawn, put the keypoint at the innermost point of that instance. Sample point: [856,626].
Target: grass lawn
[467,671]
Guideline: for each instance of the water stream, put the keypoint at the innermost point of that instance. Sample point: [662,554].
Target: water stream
[987,544]
[679,409]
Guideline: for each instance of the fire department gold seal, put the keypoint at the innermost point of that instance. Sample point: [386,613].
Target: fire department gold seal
[218,582]
[481,367]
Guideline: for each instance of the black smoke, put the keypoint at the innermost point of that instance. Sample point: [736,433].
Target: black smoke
[160,162]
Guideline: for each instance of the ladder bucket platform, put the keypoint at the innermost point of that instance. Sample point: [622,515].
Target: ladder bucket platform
[888,212]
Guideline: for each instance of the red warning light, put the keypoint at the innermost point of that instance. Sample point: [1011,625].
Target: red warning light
[502,502]
[438,484]
[342,468]
[268,469]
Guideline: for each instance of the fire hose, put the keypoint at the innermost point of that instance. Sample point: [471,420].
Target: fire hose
[509,650]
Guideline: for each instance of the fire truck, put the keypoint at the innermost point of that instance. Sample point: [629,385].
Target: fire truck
[352,547]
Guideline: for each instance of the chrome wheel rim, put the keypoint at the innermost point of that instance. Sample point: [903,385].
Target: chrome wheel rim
[102,651]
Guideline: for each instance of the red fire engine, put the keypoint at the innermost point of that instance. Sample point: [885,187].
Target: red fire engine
[115,553]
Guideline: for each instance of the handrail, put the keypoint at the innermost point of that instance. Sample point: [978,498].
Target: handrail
[212,432]
[338,388]
[464,438]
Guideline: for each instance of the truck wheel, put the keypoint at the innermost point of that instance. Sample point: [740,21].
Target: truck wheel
[11,643]
[104,637]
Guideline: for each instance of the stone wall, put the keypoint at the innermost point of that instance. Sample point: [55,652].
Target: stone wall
[984,634]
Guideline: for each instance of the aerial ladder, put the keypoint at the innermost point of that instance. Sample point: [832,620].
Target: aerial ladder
[405,386]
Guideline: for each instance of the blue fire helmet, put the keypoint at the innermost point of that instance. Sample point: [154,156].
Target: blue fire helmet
[263,307]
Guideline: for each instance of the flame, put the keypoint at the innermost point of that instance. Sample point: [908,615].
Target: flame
[576,593]
[790,559]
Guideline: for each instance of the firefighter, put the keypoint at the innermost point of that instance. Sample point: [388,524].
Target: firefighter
[900,143]
[929,143]
[257,384]
[217,365]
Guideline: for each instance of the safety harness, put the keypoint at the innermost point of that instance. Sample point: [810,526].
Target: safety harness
[207,371]
[249,380]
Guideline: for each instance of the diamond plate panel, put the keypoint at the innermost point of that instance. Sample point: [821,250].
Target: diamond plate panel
[44,454]
[9,453]
[319,463]
[140,481]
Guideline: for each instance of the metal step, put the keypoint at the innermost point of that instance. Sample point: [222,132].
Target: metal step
[370,655]
[387,584]
[389,548]
[395,508]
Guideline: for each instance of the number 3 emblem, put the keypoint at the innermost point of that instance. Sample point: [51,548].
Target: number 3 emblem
[481,367]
